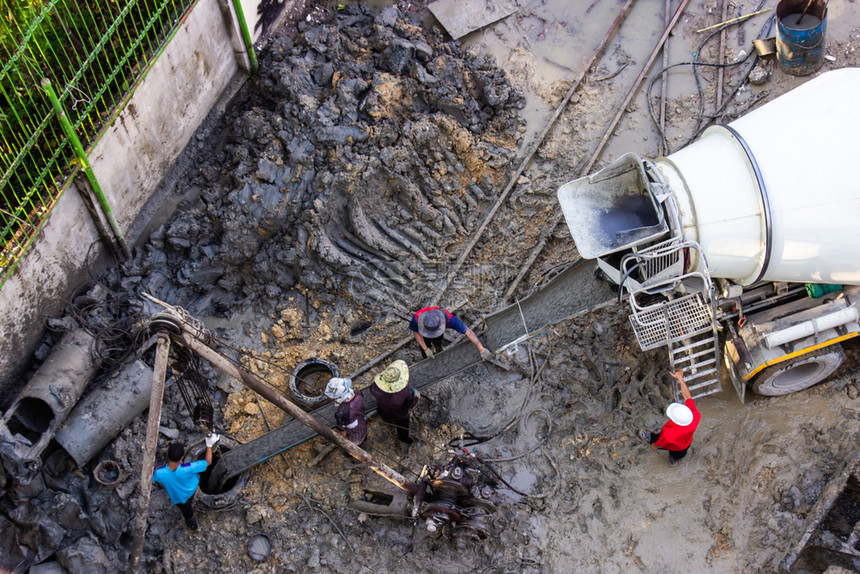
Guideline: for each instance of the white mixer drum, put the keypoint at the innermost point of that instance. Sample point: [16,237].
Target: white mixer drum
[775,195]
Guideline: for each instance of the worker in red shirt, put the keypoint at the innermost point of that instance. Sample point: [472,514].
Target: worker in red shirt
[677,434]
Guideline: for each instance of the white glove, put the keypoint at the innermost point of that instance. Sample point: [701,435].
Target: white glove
[211,439]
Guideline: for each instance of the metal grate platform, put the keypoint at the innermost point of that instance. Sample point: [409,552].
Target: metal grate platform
[672,321]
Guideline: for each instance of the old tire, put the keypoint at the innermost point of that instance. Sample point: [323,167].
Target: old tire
[303,372]
[799,373]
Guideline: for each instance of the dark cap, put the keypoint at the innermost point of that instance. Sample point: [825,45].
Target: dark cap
[431,324]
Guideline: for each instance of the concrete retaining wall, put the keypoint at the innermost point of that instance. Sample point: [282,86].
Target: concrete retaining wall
[130,160]
[139,148]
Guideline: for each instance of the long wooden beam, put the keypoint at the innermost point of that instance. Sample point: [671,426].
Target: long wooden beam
[635,88]
[621,111]
[275,397]
[512,181]
[662,148]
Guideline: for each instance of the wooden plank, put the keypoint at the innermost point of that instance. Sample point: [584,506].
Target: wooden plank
[512,181]
[156,399]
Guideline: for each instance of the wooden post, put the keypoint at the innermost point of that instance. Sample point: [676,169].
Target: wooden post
[275,397]
[155,400]
[722,57]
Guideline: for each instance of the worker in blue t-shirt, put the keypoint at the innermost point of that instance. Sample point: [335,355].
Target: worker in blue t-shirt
[429,324]
[181,480]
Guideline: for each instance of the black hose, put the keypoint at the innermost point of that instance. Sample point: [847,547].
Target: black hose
[701,124]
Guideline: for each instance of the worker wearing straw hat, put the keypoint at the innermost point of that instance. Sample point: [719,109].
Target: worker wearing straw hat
[394,398]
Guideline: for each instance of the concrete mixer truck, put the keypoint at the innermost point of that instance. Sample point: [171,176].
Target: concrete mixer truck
[743,248]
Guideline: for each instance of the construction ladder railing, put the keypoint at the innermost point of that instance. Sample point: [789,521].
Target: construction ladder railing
[675,309]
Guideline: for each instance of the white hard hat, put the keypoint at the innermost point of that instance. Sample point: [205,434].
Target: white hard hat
[339,389]
[679,414]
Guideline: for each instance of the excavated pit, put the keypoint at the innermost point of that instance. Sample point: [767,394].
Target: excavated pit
[217,491]
[332,201]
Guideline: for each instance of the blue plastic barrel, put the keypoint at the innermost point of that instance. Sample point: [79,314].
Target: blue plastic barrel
[800,44]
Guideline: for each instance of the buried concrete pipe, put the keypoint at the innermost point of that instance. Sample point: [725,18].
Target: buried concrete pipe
[28,426]
[105,412]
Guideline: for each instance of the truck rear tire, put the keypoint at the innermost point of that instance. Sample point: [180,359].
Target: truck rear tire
[799,373]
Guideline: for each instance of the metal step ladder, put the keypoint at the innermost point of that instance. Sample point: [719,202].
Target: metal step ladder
[699,359]
[675,309]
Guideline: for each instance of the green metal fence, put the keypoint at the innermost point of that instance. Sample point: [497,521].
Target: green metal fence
[92,52]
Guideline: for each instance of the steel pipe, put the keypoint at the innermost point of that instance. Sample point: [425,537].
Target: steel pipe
[88,170]
[811,327]
[246,36]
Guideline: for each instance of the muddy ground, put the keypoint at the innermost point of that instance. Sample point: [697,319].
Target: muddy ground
[337,194]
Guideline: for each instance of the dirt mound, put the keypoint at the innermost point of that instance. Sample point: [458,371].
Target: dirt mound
[365,149]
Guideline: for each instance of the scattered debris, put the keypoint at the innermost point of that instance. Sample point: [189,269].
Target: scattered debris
[759,75]
[342,182]
[459,17]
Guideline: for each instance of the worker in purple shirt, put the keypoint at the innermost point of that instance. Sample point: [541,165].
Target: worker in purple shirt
[394,399]
[349,417]
[181,480]
[428,326]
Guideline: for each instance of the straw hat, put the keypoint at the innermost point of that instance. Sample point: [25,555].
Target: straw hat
[394,378]
[431,324]
[679,414]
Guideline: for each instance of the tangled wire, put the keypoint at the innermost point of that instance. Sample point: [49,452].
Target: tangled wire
[703,120]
